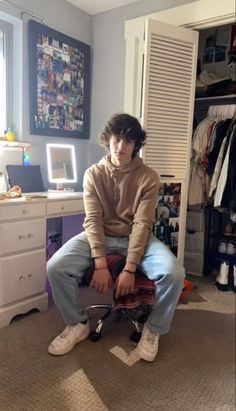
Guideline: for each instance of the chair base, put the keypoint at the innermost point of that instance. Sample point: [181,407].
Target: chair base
[95,335]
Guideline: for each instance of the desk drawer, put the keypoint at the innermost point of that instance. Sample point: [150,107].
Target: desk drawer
[22,276]
[24,210]
[65,207]
[24,235]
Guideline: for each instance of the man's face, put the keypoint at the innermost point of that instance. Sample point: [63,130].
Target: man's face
[121,150]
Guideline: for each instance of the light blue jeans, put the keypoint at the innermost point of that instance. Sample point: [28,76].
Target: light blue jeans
[67,266]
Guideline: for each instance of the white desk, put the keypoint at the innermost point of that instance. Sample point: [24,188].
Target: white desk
[23,249]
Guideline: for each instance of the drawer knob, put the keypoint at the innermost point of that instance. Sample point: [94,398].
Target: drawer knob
[30,235]
[21,237]
[30,275]
[62,208]
[21,277]
[25,211]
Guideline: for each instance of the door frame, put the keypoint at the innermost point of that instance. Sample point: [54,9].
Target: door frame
[196,15]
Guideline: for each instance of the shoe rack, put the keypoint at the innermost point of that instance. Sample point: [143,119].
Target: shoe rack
[220,255]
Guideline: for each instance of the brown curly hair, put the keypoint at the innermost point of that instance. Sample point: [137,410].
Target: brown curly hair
[124,126]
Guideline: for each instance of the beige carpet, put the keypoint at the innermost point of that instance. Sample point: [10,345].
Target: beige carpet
[194,370]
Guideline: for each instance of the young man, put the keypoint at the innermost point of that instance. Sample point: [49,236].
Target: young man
[120,197]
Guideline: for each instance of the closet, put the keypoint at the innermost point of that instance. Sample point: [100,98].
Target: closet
[210,228]
[160,77]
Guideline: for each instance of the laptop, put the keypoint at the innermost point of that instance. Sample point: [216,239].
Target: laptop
[28,178]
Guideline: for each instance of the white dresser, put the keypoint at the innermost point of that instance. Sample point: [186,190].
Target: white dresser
[23,250]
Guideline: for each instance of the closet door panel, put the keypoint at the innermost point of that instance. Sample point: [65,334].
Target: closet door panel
[168,97]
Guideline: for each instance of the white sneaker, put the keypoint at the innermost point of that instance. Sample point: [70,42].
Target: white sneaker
[222,247]
[230,248]
[222,277]
[148,345]
[71,336]
[235,277]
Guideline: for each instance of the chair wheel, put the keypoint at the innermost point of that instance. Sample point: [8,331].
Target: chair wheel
[94,336]
[143,318]
[135,336]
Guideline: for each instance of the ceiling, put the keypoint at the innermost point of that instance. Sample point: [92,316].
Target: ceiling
[98,6]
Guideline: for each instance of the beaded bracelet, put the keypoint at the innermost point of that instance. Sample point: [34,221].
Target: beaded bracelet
[127,271]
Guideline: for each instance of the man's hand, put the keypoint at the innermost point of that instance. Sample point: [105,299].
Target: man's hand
[101,280]
[124,284]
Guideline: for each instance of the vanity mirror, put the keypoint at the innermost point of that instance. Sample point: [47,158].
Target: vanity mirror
[61,164]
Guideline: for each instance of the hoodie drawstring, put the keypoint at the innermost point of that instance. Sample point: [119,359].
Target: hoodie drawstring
[114,178]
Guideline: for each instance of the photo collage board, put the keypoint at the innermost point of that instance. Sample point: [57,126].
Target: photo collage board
[60,81]
[166,227]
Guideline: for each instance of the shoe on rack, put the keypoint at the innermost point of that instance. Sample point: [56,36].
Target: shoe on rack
[234,275]
[222,247]
[148,345]
[222,278]
[228,230]
[230,249]
[71,336]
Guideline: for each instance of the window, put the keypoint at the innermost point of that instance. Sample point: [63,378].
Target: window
[6,77]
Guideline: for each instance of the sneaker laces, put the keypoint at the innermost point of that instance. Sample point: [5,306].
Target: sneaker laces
[67,332]
[150,337]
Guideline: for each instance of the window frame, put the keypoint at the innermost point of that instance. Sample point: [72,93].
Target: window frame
[7,29]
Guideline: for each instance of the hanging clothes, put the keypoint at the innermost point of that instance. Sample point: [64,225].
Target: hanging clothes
[198,177]
[222,179]
[210,156]
[217,170]
[229,195]
[220,132]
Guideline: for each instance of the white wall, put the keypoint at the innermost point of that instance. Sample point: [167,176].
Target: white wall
[67,19]
[105,32]
[109,61]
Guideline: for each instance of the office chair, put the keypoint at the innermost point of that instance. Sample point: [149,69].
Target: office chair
[142,300]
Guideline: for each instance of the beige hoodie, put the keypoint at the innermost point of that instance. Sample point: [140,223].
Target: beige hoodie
[120,201]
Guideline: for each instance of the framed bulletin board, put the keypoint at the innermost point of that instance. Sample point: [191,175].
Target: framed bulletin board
[59,69]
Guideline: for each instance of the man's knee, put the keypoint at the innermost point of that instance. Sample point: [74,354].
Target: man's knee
[175,271]
[53,268]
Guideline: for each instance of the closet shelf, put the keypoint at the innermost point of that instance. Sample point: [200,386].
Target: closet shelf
[4,143]
[229,258]
[225,236]
[228,96]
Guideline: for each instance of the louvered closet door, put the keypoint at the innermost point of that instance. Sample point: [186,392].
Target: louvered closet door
[168,97]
